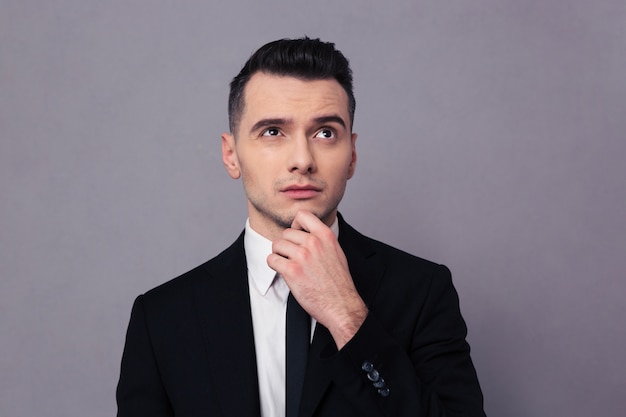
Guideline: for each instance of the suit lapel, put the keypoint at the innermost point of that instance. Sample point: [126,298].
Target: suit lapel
[366,267]
[223,304]
[367,271]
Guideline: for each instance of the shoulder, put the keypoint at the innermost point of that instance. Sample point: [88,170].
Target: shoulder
[389,255]
[410,273]
[394,254]
[208,273]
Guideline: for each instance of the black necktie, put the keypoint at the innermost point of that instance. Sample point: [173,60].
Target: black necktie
[298,333]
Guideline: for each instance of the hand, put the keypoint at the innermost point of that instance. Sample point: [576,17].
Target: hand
[309,258]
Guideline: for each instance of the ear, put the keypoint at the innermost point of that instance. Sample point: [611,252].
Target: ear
[352,165]
[229,156]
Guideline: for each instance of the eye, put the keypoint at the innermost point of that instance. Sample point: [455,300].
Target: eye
[325,134]
[272,131]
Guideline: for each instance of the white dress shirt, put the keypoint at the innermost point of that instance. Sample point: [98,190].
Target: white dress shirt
[268,301]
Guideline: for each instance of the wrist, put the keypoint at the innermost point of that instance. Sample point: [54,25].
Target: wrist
[349,324]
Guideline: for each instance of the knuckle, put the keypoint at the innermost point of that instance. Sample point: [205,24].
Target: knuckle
[293,269]
[328,234]
[303,254]
[311,240]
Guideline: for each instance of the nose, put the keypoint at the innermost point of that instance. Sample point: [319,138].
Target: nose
[301,158]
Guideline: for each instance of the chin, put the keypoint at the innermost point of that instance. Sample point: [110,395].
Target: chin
[325,215]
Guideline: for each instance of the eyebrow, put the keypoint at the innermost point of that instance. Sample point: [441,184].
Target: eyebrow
[268,123]
[330,119]
[333,118]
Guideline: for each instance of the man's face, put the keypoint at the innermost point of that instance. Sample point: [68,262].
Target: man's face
[293,150]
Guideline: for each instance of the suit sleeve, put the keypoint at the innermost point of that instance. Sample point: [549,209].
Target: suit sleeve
[140,391]
[427,374]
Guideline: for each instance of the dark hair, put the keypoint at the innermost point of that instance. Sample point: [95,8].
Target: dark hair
[304,58]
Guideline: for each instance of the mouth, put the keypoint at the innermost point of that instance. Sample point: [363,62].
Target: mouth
[301,192]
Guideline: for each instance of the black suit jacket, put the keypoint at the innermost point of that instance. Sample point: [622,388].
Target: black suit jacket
[190,347]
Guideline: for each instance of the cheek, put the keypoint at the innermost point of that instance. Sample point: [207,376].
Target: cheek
[257,178]
[346,168]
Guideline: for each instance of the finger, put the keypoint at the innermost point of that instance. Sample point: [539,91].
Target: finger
[284,248]
[277,263]
[285,267]
[297,236]
[309,222]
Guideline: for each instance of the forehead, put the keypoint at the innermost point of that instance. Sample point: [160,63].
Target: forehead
[267,95]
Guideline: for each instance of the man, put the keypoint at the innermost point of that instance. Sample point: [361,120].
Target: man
[387,337]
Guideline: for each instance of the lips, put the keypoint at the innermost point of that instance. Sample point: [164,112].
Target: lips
[301,191]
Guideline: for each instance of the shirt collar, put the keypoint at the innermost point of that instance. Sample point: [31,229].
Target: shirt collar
[257,250]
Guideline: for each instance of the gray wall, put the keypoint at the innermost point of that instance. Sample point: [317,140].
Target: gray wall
[492,139]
